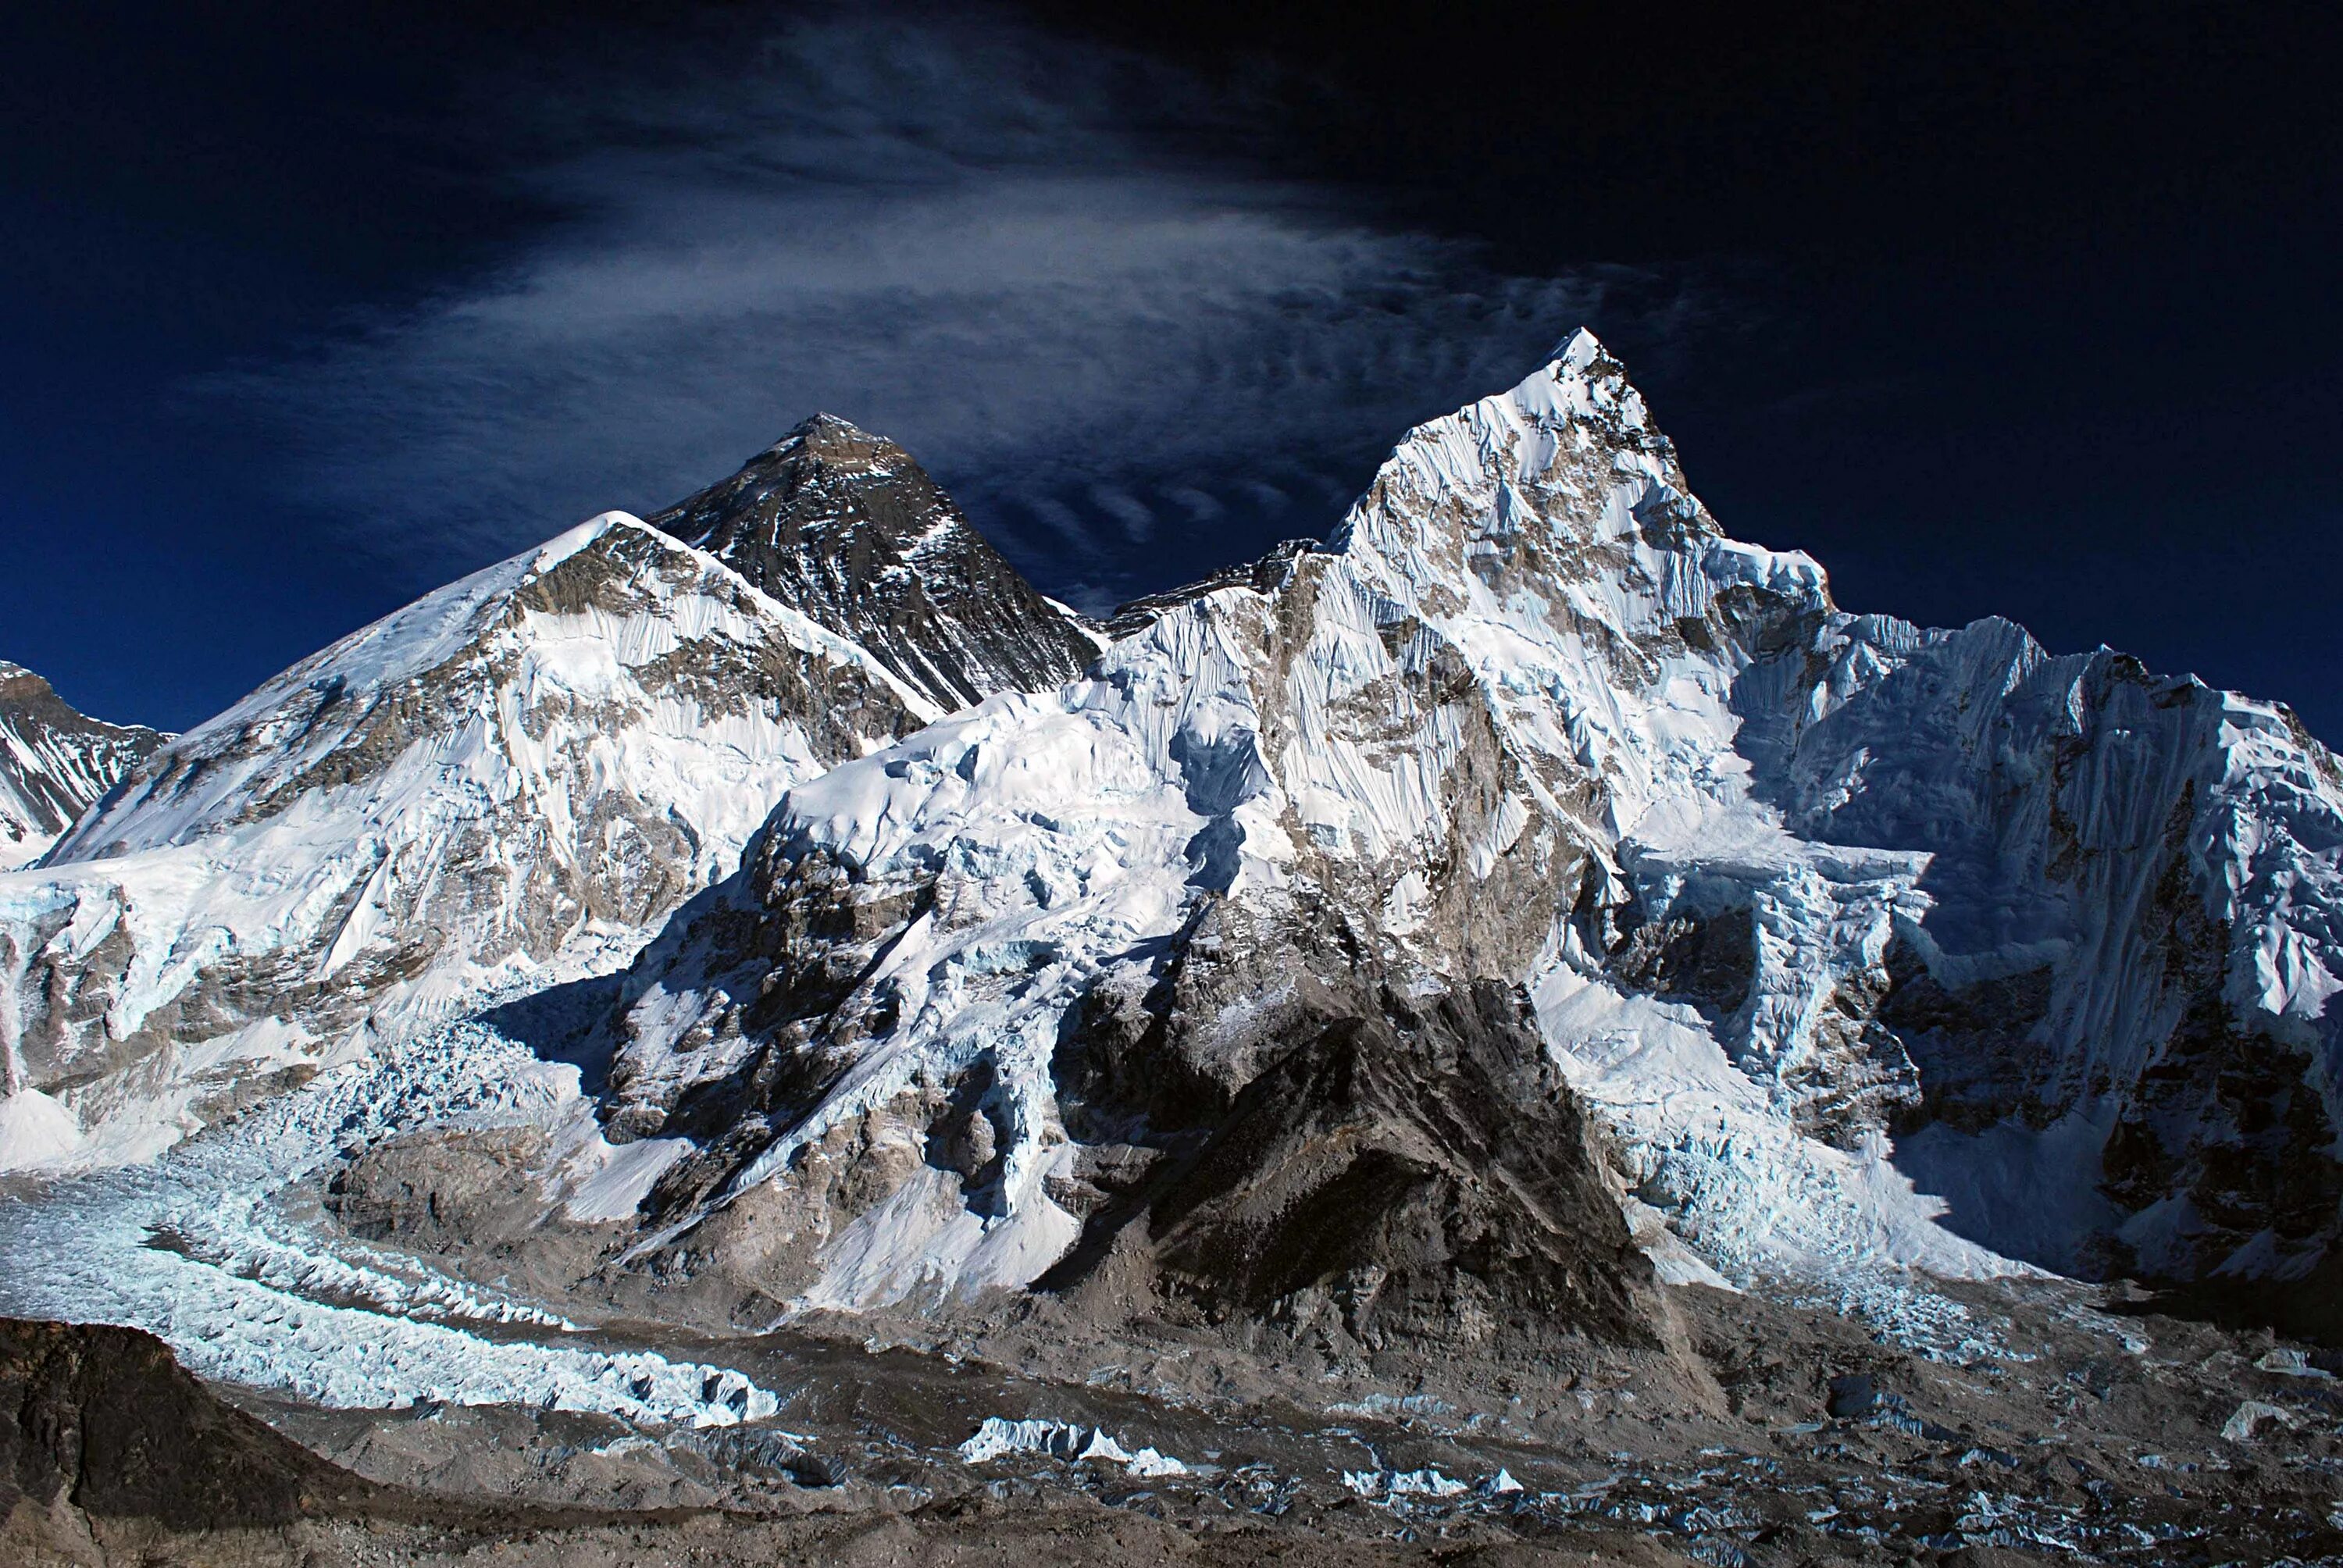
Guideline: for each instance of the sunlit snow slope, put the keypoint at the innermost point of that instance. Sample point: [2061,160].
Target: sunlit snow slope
[498,787]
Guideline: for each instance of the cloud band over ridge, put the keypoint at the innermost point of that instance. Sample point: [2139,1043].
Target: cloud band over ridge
[1048,269]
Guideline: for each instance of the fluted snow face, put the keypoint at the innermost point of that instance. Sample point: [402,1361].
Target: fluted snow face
[498,787]
[2137,890]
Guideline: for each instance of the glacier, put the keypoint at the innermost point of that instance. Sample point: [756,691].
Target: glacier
[191,1248]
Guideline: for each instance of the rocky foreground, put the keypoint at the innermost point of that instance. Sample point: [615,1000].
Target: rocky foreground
[2061,1425]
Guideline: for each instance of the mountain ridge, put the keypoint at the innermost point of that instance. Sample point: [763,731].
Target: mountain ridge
[55,762]
[498,787]
[1663,748]
[1813,942]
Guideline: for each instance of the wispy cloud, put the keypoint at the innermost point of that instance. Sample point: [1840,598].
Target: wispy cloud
[1128,354]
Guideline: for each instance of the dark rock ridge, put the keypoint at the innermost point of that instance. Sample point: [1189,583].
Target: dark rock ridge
[1402,1172]
[55,761]
[104,1421]
[844,526]
[1260,575]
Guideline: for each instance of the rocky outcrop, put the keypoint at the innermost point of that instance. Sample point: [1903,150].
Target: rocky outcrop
[54,762]
[843,525]
[104,1422]
[1397,1173]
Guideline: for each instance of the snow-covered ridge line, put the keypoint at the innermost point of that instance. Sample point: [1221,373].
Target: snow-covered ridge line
[497,788]
[161,807]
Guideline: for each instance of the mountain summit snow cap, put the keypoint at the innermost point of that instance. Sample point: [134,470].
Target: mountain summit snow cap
[1577,351]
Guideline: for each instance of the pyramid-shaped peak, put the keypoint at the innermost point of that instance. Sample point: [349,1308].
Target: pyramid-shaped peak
[845,527]
[1577,351]
[832,439]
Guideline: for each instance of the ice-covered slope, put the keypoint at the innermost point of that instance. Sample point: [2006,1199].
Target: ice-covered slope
[844,526]
[2120,1001]
[496,787]
[1782,884]
[54,762]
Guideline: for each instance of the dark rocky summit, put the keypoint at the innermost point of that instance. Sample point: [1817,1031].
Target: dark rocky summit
[844,526]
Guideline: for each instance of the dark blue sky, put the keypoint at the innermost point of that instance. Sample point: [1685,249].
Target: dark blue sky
[2008,309]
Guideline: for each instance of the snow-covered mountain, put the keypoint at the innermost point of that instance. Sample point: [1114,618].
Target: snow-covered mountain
[843,525]
[1780,888]
[54,762]
[1435,933]
[493,789]
[500,787]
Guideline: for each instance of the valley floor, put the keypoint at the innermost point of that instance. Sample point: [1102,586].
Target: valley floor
[2085,1436]
[407,1413]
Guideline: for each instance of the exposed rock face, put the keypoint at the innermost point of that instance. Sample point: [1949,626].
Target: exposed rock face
[54,762]
[845,527]
[103,1420]
[1399,1172]
[496,787]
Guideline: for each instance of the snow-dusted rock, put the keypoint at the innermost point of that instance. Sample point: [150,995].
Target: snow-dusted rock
[54,762]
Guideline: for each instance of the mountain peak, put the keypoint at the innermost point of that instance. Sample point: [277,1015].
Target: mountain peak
[55,760]
[1577,351]
[847,527]
[834,438]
